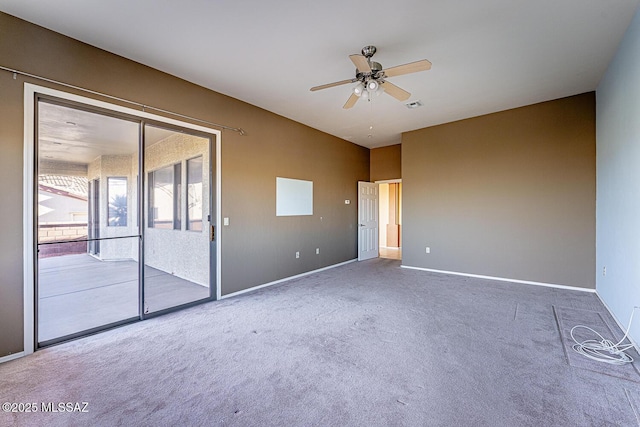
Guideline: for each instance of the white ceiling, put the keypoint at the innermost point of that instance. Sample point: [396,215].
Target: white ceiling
[487,55]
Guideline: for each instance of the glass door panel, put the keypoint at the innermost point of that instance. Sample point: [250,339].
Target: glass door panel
[177,207]
[78,292]
[87,221]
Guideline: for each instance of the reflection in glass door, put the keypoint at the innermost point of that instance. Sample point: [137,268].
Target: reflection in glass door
[178,200]
[88,235]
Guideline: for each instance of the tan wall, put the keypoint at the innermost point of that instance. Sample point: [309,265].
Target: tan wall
[510,194]
[386,163]
[258,247]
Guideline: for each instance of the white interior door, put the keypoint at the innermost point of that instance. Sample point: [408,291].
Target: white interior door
[367,220]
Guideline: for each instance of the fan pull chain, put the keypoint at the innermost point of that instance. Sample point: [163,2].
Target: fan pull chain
[370,135]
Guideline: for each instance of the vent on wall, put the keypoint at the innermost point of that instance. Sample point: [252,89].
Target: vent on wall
[413,104]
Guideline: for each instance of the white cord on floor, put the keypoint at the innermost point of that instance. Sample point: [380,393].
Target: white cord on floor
[604,350]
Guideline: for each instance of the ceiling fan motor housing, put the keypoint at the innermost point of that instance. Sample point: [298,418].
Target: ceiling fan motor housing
[376,72]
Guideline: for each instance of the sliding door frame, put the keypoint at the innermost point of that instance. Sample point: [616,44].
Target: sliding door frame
[32,93]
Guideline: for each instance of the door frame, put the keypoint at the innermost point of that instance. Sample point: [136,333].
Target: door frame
[31,92]
[390,181]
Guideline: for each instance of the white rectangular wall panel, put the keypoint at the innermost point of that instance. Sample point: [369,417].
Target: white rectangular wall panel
[294,197]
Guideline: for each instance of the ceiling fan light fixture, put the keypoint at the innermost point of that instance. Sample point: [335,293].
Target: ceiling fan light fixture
[371,78]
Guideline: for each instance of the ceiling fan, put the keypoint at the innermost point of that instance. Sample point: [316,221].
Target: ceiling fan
[371,77]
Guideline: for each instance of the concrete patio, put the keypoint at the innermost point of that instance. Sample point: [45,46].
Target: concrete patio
[79,292]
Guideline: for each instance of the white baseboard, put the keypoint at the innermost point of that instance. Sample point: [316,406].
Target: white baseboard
[255,288]
[12,357]
[504,279]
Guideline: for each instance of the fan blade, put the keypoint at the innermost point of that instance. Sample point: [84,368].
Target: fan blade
[412,67]
[351,101]
[342,82]
[361,63]
[395,91]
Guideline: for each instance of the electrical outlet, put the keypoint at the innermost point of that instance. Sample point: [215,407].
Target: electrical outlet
[297,254]
[317,251]
[604,271]
[428,250]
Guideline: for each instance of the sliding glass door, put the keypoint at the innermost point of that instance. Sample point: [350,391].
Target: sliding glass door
[88,234]
[123,213]
[178,205]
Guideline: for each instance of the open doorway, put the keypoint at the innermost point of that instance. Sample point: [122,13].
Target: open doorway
[390,219]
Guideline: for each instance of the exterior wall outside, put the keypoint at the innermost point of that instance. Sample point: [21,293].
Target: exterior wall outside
[51,233]
[64,209]
[509,195]
[257,247]
[183,253]
[116,166]
[618,171]
[67,232]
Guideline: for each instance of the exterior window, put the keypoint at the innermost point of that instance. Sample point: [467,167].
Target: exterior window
[117,195]
[164,197]
[194,194]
